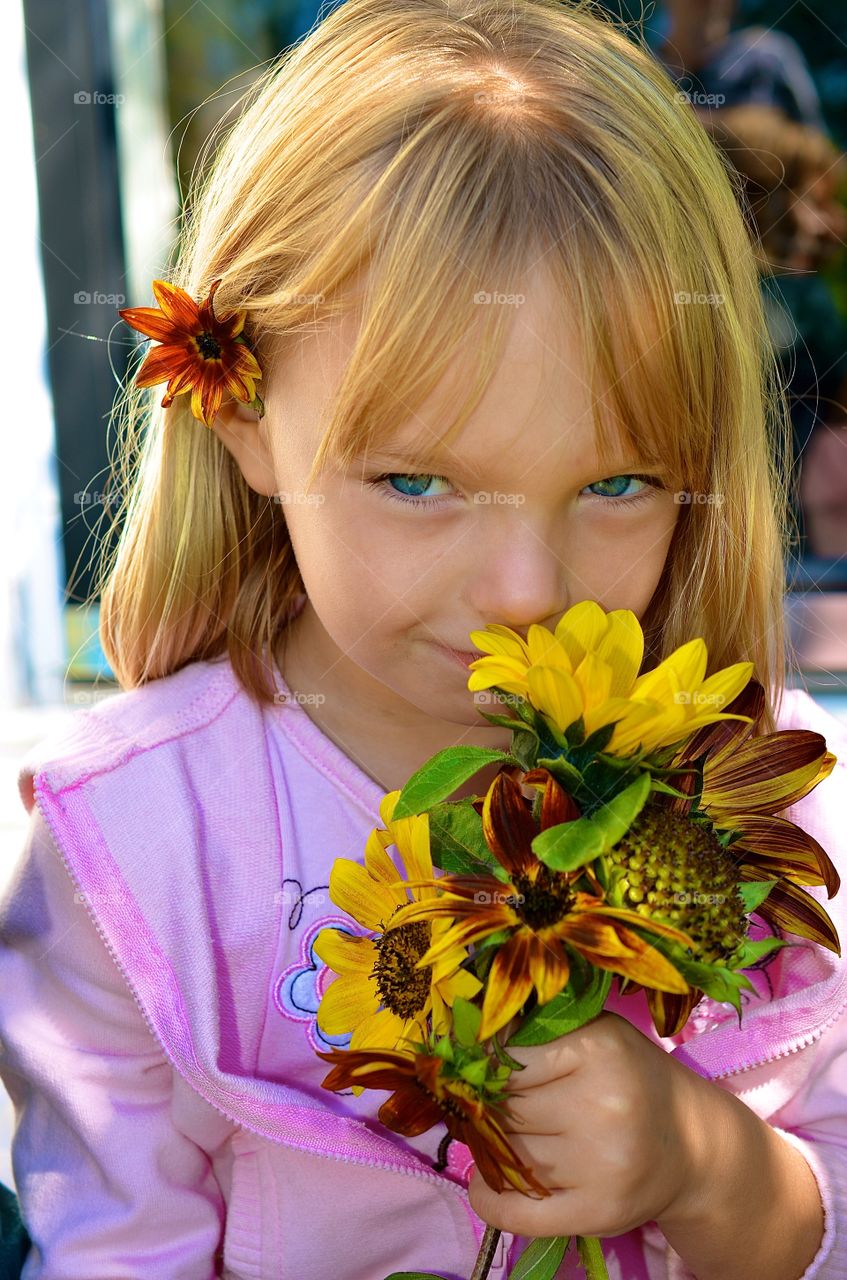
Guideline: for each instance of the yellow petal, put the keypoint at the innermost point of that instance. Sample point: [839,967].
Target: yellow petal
[544,648]
[347,1001]
[555,693]
[357,893]
[508,675]
[382,1030]
[501,640]
[622,647]
[581,629]
[345,953]
[594,677]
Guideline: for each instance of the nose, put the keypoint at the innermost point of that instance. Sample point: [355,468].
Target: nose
[519,577]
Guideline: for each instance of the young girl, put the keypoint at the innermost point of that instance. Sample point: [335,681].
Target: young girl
[513,356]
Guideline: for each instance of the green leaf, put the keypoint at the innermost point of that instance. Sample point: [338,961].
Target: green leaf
[571,844]
[457,842]
[518,726]
[749,952]
[566,1012]
[666,790]
[563,771]
[442,774]
[591,1257]
[754,892]
[466,1021]
[413,1275]
[505,1058]
[575,733]
[474,1072]
[541,1259]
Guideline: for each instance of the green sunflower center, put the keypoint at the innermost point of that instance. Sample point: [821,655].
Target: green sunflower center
[209,347]
[541,901]
[679,870]
[402,988]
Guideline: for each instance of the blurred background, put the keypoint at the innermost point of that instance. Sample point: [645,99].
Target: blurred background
[111,102]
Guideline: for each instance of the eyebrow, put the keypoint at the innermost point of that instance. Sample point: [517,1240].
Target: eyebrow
[417,457]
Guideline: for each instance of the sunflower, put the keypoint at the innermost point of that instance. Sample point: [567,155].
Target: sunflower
[540,909]
[425,1092]
[199,352]
[380,993]
[677,852]
[588,668]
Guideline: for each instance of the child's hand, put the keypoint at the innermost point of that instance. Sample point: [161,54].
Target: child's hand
[612,1124]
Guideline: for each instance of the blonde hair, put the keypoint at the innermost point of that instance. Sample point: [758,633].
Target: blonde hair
[445,146]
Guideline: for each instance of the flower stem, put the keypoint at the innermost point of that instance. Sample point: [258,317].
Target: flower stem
[485,1257]
[591,1257]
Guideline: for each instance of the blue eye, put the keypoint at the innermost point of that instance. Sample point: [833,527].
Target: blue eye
[413,481]
[617,498]
[618,485]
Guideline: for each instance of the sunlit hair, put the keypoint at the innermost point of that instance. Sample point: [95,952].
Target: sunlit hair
[406,156]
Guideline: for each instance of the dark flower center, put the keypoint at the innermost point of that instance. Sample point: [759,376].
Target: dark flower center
[402,988]
[542,901]
[210,348]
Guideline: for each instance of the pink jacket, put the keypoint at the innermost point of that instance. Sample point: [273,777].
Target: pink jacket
[157,1020]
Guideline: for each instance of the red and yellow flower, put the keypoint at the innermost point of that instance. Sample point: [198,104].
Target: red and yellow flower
[425,1092]
[540,909]
[198,352]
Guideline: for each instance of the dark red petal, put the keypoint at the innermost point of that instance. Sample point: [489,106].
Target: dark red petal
[508,825]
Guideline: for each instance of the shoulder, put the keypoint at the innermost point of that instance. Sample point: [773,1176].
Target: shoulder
[120,727]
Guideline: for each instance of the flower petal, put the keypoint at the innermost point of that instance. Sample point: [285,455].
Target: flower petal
[359,895]
[347,1001]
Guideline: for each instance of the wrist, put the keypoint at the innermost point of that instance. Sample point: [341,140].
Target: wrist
[715,1124]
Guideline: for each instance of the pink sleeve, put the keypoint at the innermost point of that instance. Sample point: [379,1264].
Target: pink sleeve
[815,1121]
[109,1187]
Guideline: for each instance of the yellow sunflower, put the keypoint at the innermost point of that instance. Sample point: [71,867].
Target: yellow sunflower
[380,994]
[588,667]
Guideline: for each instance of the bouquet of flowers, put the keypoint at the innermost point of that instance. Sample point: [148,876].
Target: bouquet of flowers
[631,829]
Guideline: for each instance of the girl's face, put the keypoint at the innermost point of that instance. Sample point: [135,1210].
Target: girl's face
[513,523]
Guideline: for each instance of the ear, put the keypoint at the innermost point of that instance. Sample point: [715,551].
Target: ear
[246,437]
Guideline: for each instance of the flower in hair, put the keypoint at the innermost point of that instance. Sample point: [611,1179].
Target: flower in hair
[198,351]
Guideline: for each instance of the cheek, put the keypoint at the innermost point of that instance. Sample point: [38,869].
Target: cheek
[359,574]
